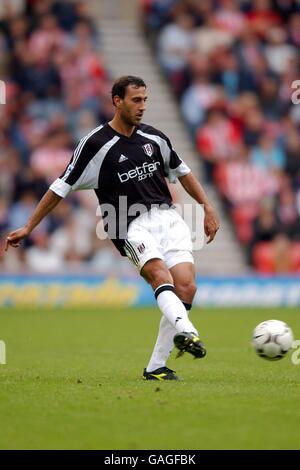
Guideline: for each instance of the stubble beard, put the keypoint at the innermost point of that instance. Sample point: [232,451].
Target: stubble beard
[128,120]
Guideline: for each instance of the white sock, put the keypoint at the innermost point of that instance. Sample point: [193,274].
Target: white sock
[173,309]
[163,346]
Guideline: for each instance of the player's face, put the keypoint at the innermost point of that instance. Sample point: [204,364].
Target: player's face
[133,106]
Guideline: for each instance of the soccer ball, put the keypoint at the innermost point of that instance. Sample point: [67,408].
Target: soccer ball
[272,339]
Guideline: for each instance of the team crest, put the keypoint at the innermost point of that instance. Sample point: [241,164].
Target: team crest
[141,248]
[148,149]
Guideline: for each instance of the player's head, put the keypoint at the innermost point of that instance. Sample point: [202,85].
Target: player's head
[129,98]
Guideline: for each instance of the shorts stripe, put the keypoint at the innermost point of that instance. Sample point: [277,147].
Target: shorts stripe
[128,251]
[130,248]
[133,251]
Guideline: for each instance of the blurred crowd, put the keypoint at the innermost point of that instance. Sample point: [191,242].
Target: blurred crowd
[57,90]
[234,66]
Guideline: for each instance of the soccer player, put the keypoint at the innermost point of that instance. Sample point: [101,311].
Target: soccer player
[127,159]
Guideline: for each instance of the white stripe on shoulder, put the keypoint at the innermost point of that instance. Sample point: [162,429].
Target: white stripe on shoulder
[82,141]
[163,145]
[90,177]
[165,151]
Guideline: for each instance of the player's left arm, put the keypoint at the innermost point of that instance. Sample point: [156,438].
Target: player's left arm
[175,168]
[195,189]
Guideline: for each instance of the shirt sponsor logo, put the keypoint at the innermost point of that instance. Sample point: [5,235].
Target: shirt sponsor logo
[139,172]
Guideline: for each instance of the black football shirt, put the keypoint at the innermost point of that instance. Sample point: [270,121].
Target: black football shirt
[128,174]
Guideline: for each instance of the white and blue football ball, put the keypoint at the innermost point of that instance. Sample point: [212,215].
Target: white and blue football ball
[272,339]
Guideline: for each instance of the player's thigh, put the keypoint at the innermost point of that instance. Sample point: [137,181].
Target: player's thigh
[177,235]
[176,242]
[184,275]
[141,246]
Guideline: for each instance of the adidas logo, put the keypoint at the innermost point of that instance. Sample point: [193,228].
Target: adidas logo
[122,158]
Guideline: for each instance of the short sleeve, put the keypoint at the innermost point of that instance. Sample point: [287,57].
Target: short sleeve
[83,169]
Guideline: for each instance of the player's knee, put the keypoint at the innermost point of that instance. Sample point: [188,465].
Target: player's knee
[159,277]
[186,290]
[156,273]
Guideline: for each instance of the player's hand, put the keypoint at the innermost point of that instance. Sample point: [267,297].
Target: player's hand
[14,238]
[211,223]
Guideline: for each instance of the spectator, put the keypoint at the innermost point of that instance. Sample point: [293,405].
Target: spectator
[10,8]
[210,37]
[175,42]
[292,147]
[229,17]
[218,140]
[267,155]
[262,17]
[240,71]
[287,212]
[50,160]
[253,122]
[56,83]
[294,29]
[265,226]
[40,258]
[243,183]
[281,248]
[278,53]
[200,95]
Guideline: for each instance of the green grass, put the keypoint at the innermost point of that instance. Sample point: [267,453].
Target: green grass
[73,381]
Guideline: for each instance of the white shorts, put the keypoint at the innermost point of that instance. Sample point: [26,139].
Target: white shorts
[159,234]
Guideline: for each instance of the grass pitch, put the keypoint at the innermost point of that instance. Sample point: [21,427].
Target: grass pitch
[73,381]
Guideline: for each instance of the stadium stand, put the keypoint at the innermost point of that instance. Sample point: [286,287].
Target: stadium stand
[57,90]
[231,65]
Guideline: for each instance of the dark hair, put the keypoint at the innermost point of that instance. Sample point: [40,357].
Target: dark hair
[120,85]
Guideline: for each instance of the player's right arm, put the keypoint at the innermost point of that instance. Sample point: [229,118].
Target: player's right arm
[46,205]
[81,173]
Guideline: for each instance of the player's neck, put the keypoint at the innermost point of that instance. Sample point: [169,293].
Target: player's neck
[121,127]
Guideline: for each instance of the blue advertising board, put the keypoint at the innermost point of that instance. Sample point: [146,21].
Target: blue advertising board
[92,291]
